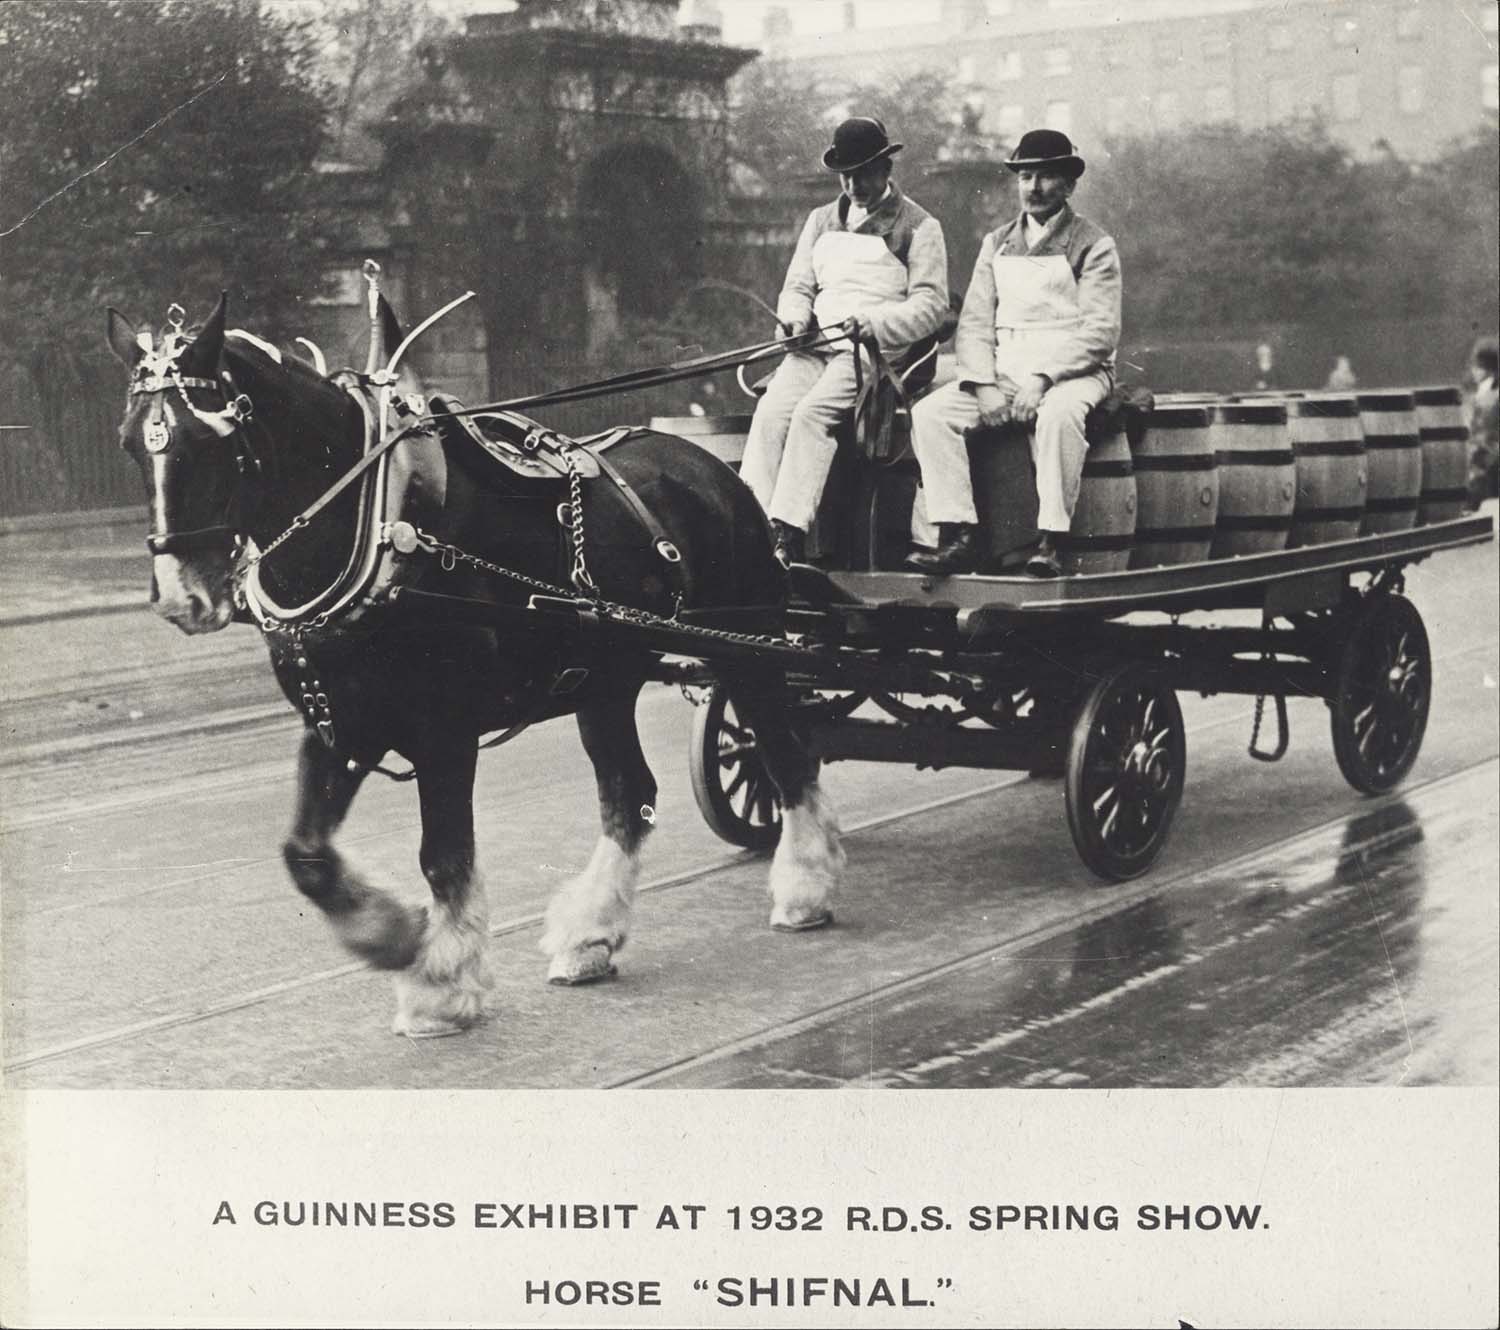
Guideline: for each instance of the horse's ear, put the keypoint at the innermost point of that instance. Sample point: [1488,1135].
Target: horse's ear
[390,328]
[391,336]
[202,357]
[122,339]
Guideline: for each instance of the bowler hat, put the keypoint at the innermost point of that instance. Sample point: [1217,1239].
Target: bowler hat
[859,140]
[1049,149]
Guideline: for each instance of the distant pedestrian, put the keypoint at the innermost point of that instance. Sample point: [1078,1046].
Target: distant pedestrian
[1265,367]
[1483,413]
[1341,378]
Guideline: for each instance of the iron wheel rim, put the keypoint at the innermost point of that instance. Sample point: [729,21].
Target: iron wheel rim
[1126,768]
[1384,695]
[733,789]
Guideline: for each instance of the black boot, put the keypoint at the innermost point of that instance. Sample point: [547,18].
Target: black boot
[1044,561]
[791,543]
[957,551]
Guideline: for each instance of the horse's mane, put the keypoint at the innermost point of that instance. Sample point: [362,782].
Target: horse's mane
[295,386]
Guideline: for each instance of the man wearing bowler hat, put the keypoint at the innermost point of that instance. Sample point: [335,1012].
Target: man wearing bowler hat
[1035,345]
[871,255]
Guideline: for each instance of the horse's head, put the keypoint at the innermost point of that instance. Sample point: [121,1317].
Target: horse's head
[184,426]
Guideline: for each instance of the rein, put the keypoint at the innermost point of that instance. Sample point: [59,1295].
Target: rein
[413,405]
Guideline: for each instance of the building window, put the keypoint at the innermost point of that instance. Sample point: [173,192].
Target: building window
[1409,90]
[1345,32]
[1056,61]
[1280,103]
[1060,116]
[1218,103]
[1346,97]
[1489,87]
[1009,67]
[1115,112]
[1280,37]
[1168,110]
[1011,121]
[1409,22]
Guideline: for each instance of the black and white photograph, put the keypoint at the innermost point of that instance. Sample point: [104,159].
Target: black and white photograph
[969,527]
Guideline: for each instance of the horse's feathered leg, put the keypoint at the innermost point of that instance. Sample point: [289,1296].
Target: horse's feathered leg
[370,923]
[589,918]
[443,990]
[809,860]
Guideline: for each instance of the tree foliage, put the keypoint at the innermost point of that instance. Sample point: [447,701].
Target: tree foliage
[1225,226]
[368,49]
[783,119]
[153,150]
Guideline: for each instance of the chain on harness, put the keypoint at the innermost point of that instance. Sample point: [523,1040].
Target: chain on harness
[408,539]
[1283,731]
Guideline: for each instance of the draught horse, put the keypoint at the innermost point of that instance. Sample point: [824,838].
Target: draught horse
[234,441]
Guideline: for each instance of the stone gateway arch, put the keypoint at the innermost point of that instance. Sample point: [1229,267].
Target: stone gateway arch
[569,162]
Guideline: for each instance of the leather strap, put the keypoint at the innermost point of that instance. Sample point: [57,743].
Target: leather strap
[659,539]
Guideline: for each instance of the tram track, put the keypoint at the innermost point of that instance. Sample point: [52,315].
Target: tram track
[1119,898]
[238,776]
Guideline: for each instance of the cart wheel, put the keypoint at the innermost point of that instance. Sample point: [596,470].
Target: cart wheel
[1379,713]
[1126,761]
[735,793]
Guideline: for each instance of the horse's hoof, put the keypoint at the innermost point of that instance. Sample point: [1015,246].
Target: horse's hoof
[425,1010]
[582,965]
[428,1029]
[800,919]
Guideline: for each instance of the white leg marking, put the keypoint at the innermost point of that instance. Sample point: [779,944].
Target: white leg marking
[808,864]
[443,990]
[589,918]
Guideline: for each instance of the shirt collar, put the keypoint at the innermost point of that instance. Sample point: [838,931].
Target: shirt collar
[883,209]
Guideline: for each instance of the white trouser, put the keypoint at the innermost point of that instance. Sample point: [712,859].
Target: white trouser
[1057,448]
[791,444]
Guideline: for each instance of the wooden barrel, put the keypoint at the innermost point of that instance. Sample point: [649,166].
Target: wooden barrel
[723,436]
[1176,486]
[1257,478]
[1445,453]
[1329,444]
[1104,517]
[1393,461]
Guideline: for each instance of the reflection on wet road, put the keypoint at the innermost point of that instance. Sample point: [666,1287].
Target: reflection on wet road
[1361,954]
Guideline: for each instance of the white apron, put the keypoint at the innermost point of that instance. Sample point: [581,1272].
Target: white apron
[1036,311]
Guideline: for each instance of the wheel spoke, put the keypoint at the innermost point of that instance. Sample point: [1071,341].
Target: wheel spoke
[765,804]
[739,733]
[1148,713]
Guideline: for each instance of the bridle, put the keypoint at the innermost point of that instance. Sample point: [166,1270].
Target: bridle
[157,374]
